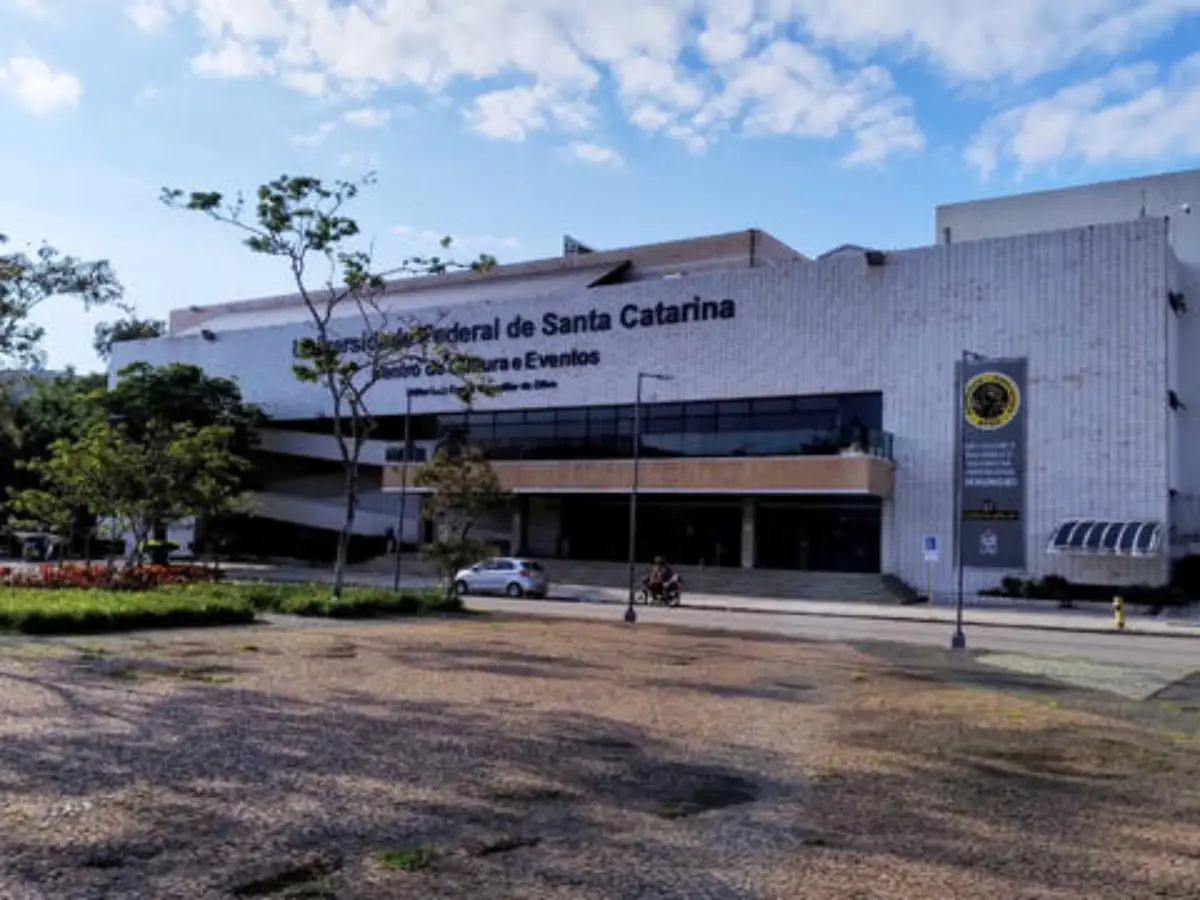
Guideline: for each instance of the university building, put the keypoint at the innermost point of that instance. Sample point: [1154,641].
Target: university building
[1037,368]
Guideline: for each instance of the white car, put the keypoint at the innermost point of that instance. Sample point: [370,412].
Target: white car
[508,575]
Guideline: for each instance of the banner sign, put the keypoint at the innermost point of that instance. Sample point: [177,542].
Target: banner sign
[992,455]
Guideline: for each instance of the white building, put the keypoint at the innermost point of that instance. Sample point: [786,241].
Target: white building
[812,414]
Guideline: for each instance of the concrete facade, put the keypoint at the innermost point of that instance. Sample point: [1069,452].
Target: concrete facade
[1174,199]
[1087,306]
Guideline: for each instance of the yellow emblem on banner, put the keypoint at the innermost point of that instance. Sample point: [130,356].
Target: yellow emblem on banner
[991,400]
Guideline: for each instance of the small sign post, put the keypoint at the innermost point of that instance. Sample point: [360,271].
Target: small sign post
[932,551]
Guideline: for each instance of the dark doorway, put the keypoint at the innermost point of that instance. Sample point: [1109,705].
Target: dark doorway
[686,530]
[821,536]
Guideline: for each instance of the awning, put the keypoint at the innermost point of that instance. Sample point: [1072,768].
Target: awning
[1089,537]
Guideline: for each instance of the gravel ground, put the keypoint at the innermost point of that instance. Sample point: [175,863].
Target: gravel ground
[531,759]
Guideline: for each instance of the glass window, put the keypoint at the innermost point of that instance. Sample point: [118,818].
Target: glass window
[733,415]
[664,426]
[785,421]
[573,427]
[773,405]
[662,410]
[510,418]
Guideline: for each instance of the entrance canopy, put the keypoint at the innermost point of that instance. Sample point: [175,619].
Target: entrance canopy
[1089,537]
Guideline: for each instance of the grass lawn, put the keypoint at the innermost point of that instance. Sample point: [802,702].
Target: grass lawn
[516,759]
[83,611]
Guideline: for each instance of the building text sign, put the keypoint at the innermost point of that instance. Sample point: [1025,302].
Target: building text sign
[472,338]
[992,454]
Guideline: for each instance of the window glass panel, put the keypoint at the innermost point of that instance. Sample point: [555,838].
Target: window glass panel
[775,422]
[700,408]
[572,428]
[700,424]
[664,426]
[510,418]
[773,405]
[663,411]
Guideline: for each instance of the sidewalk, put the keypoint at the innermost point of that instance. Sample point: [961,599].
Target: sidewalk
[1024,616]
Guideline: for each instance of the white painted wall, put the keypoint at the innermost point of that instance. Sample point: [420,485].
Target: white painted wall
[1087,307]
[1155,196]
[1167,197]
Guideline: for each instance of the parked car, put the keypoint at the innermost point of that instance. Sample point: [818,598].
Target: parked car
[508,575]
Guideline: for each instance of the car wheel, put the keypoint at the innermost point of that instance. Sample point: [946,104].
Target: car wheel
[514,590]
[460,588]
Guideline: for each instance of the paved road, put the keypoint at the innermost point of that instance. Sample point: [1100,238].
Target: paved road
[1139,650]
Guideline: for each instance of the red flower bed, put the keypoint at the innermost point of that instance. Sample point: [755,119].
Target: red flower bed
[113,578]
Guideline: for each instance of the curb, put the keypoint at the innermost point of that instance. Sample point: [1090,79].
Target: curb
[1187,632]
[1192,634]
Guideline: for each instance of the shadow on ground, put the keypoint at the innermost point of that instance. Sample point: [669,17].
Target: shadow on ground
[162,779]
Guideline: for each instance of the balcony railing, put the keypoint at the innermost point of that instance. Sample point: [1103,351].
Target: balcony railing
[674,445]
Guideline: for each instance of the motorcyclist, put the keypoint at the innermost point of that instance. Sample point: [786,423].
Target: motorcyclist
[660,576]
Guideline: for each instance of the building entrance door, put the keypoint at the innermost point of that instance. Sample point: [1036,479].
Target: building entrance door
[820,537]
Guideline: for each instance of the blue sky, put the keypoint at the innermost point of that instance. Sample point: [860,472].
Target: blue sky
[509,122]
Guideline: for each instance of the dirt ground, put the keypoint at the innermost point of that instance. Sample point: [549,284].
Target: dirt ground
[531,759]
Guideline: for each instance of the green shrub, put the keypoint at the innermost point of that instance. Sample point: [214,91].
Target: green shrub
[1058,589]
[356,603]
[91,611]
[70,611]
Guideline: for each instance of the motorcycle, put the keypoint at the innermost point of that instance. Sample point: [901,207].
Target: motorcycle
[671,593]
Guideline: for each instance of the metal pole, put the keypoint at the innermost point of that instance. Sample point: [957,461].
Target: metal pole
[403,489]
[630,615]
[959,640]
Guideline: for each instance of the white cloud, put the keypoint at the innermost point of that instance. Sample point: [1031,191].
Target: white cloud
[232,59]
[35,8]
[809,68]
[512,114]
[311,83]
[985,39]
[151,15]
[1131,114]
[596,154]
[428,240]
[556,55]
[314,138]
[357,159]
[368,117]
[37,87]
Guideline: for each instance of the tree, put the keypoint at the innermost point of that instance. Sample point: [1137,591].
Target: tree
[130,328]
[462,487]
[301,221]
[66,494]
[173,471]
[145,395]
[26,282]
[46,410]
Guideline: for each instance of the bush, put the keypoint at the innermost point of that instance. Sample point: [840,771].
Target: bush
[76,610]
[1060,590]
[356,603]
[72,611]
[105,577]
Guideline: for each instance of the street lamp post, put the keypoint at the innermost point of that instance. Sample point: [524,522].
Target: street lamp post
[403,488]
[958,641]
[630,614]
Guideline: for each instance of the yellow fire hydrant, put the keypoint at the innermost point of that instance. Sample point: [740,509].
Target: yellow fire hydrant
[1119,611]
